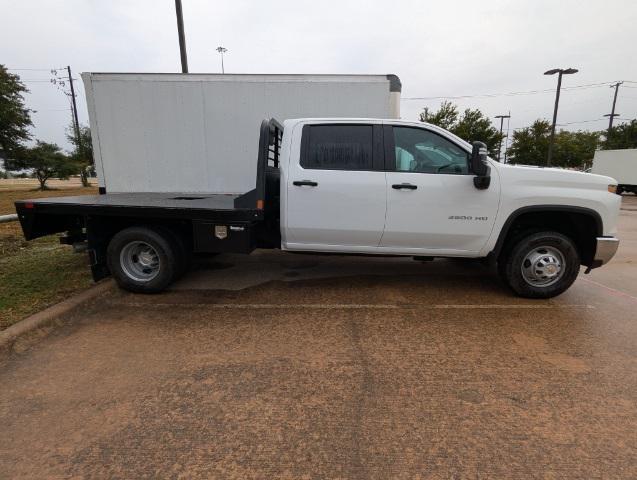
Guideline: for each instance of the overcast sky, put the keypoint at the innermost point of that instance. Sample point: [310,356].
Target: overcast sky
[437,48]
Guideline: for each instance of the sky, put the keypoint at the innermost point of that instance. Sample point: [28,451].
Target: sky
[448,48]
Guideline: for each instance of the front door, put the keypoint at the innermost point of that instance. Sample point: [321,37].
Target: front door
[336,193]
[432,204]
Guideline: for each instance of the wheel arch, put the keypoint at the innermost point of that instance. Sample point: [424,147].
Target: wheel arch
[581,224]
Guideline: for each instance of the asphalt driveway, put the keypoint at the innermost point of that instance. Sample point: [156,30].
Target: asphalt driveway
[300,366]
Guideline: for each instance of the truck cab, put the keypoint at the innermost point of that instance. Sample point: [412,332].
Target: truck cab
[385,187]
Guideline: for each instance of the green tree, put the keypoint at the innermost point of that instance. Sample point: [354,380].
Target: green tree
[471,125]
[575,149]
[623,135]
[82,151]
[15,118]
[446,116]
[530,146]
[46,160]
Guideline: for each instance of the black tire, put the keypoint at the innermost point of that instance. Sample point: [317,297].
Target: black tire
[511,264]
[183,252]
[165,253]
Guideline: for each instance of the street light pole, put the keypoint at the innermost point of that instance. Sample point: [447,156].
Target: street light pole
[506,141]
[222,50]
[501,117]
[560,72]
[612,113]
[182,37]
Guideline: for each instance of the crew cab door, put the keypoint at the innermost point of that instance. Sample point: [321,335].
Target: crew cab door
[433,206]
[336,189]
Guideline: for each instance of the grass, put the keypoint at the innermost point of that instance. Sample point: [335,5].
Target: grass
[39,273]
[7,197]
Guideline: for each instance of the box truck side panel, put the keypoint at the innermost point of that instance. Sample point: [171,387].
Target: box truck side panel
[196,133]
[619,164]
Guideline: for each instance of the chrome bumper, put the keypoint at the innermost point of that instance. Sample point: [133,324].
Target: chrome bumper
[605,250]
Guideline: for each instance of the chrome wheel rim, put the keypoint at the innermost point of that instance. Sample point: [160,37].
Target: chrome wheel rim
[543,266]
[139,261]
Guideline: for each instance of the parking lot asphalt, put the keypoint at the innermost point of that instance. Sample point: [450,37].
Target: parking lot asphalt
[302,366]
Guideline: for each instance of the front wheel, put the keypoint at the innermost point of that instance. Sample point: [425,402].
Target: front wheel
[541,265]
[143,259]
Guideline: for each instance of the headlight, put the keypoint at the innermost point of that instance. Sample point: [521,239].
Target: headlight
[612,188]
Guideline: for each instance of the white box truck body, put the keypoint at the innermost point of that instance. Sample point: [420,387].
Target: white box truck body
[619,164]
[196,133]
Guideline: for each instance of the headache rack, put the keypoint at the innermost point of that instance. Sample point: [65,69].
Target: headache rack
[270,137]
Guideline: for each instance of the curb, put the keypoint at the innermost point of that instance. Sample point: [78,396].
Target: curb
[49,315]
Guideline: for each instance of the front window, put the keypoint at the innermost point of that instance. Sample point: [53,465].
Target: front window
[422,151]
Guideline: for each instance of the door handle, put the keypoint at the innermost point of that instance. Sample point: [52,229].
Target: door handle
[404,186]
[301,183]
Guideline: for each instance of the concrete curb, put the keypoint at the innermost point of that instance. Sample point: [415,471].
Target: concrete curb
[49,315]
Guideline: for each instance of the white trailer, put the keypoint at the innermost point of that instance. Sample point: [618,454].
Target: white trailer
[196,133]
[619,164]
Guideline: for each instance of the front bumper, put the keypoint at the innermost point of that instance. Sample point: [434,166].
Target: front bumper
[604,251]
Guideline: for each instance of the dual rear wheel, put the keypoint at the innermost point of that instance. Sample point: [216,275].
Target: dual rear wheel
[147,259]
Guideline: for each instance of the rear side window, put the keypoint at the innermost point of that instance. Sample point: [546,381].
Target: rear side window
[338,147]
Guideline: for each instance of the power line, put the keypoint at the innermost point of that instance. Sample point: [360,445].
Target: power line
[43,79]
[582,121]
[575,123]
[30,69]
[510,94]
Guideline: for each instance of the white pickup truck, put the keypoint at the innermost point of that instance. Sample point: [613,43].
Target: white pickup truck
[356,186]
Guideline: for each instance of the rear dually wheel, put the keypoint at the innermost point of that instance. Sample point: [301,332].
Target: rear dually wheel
[143,259]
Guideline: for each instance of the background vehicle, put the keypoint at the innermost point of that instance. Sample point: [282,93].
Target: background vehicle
[619,164]
[343,186]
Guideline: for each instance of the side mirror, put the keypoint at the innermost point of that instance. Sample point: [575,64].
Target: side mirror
[480,166]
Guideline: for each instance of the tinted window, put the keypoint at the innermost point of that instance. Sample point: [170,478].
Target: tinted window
[338,147]
[422,151]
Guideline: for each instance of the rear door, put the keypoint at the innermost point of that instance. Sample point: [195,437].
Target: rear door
[432,205]
[336,191]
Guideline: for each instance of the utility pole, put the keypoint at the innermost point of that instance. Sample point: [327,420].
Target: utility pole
[182,37]
[501,117]
[76,123]
[222,50]
[612,113]
[560,71]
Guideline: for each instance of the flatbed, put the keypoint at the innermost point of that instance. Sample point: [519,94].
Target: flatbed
[216,207]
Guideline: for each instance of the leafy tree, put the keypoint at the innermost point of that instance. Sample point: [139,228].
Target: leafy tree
[446,117]
[575,149]
[530,146]
[15,118]
[82,151]
[623,135]
[471,125]
[46,160]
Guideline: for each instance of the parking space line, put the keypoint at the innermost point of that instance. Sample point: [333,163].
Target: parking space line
[357,306]
[616,292]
